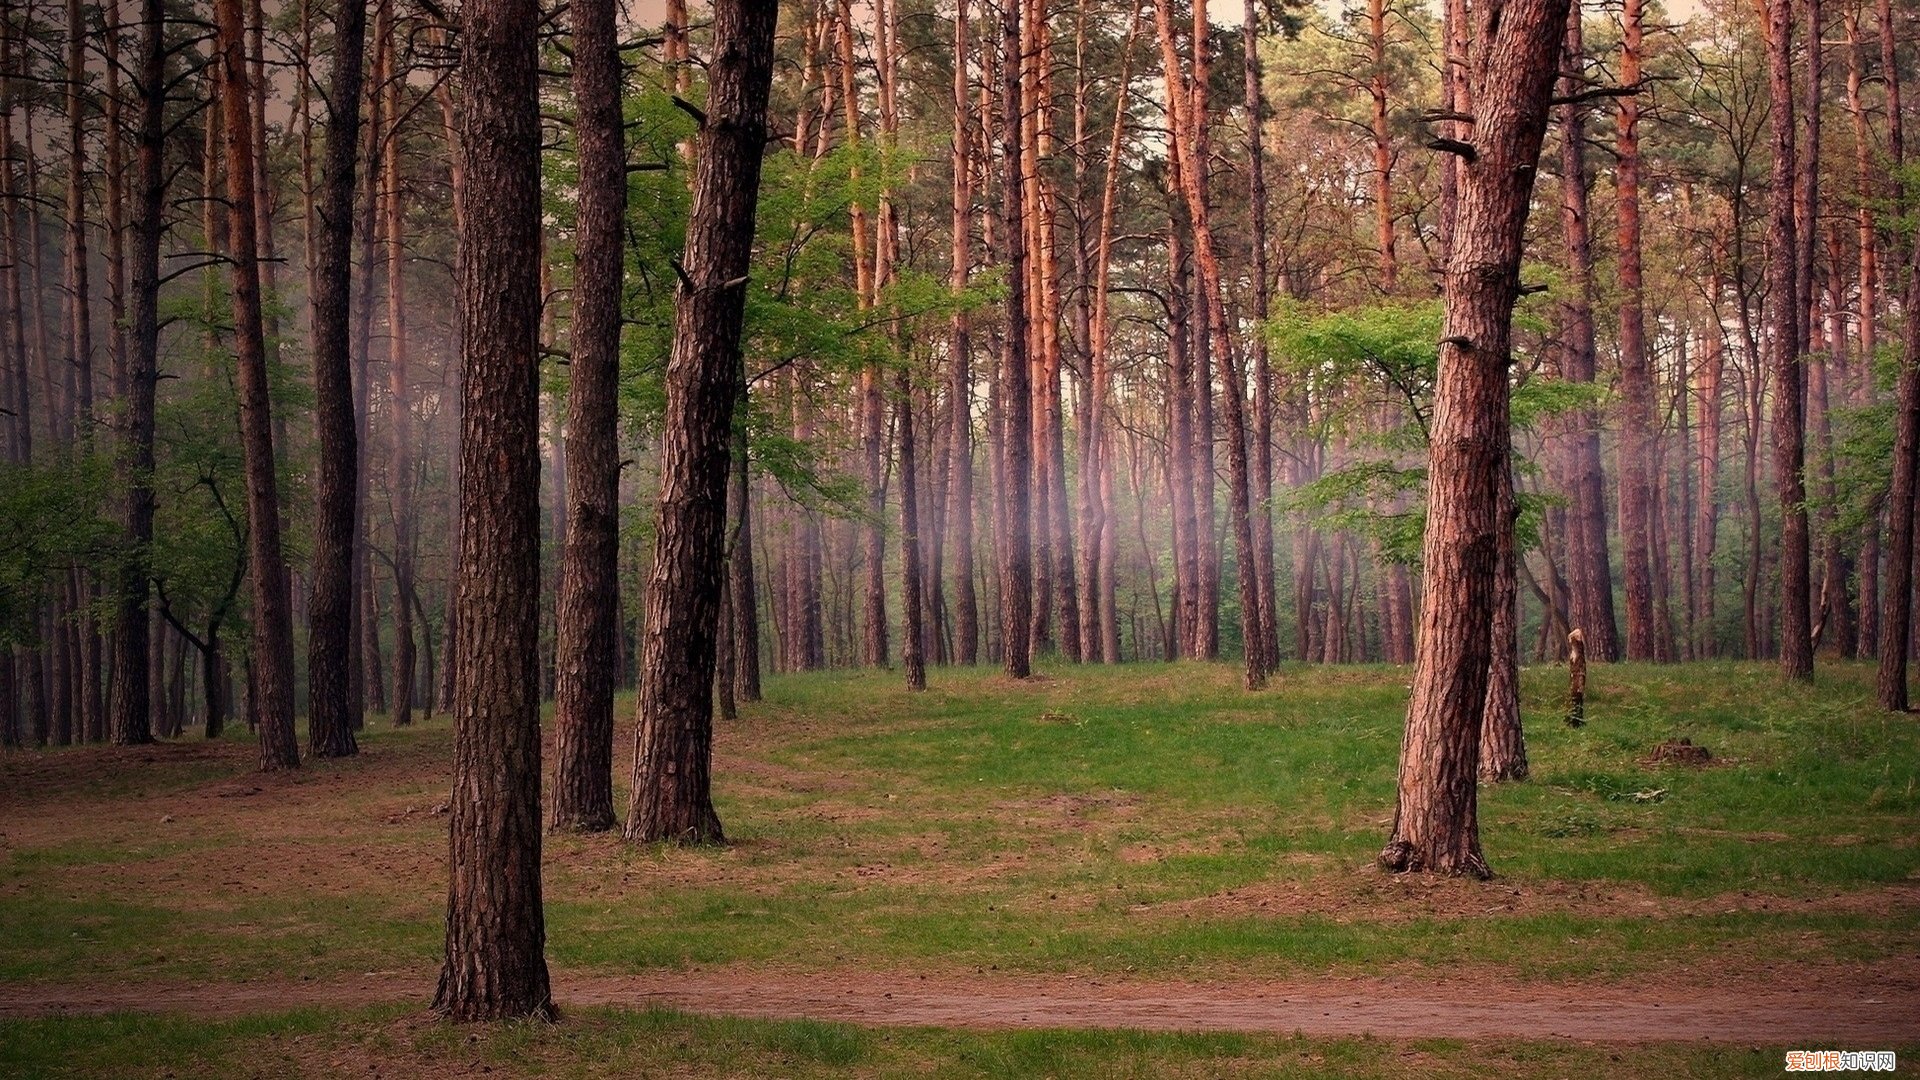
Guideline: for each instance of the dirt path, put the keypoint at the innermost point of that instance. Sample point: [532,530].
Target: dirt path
[1825,1015]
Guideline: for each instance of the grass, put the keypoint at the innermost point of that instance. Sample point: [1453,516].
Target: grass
[604,1042]
[1148,820]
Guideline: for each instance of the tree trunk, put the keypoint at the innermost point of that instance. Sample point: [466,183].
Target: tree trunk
[966,606]
[400,422]
[1707,520]
[1866,188]
[1435,827]
[1587,538]
[365,672]
[449,124]
[673,741]
[332,642]
[496,930]
[86,653]
[743,606]
[1180,464]
[1262,495]
[1636,367]
[129,721]
[1503,744]
[590,563]
[1016,394]
[1189,110]
[1784,320]
[272,648]
[912,616]
[1382,146]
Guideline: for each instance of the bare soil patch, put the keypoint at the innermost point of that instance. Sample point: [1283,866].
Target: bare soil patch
[1811,1011]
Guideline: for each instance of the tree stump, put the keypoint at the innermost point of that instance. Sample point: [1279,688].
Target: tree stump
[1576,679]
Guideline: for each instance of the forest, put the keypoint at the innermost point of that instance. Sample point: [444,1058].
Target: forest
[767,464]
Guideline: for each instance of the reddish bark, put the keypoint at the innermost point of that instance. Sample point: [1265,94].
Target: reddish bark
[1435,825]
[672,796]
[495,965]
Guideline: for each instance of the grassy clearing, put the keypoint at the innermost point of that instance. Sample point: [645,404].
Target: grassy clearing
[1152,820]
[603,1042]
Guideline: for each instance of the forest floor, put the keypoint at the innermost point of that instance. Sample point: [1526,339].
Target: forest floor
[1139,871]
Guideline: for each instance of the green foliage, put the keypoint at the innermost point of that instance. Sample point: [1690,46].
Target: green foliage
[1350,498]
[1390,354]
[1393,347]
[52,520]
[1861,456]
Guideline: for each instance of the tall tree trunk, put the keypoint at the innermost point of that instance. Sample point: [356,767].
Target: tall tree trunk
[1896,613]
[1016,395]
[966,606]
[1707,520]
[457,173]
[673,741]
[114,212]
[1785,318]
[1435,827]
[1189,110]
[365,671]
[331,704]
[1587,538]
[86,653]
[129,721]
[1179,395]
[1262,494]
[743,606]
[400,422]
[912,615]
[272,649]
[588,618]
[20,402]
[1636,366]
[496,929]
[1866,186]
[1099,621]
[1836,612]
[1382,146]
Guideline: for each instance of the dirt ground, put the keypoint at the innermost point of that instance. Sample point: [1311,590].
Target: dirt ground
[1884,1013]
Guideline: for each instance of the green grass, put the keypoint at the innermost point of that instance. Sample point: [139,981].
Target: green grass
[603,1042]
[1150,820]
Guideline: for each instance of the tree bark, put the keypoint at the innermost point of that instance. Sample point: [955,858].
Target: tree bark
[332,642]
[1016,394]
[673,748]
[1589,565]
[744,607]
[1784,321]
[400,422]
[1866,187]
[129,721]
[1503,744]
[1189,110]
[272,646]
[1435,826]
[912,615]
[590,564]
[496,930]
[86,636]
[1262,495]
[966,606]
[1636,367]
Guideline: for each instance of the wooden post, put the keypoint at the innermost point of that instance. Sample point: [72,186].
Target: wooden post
[1576,679]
